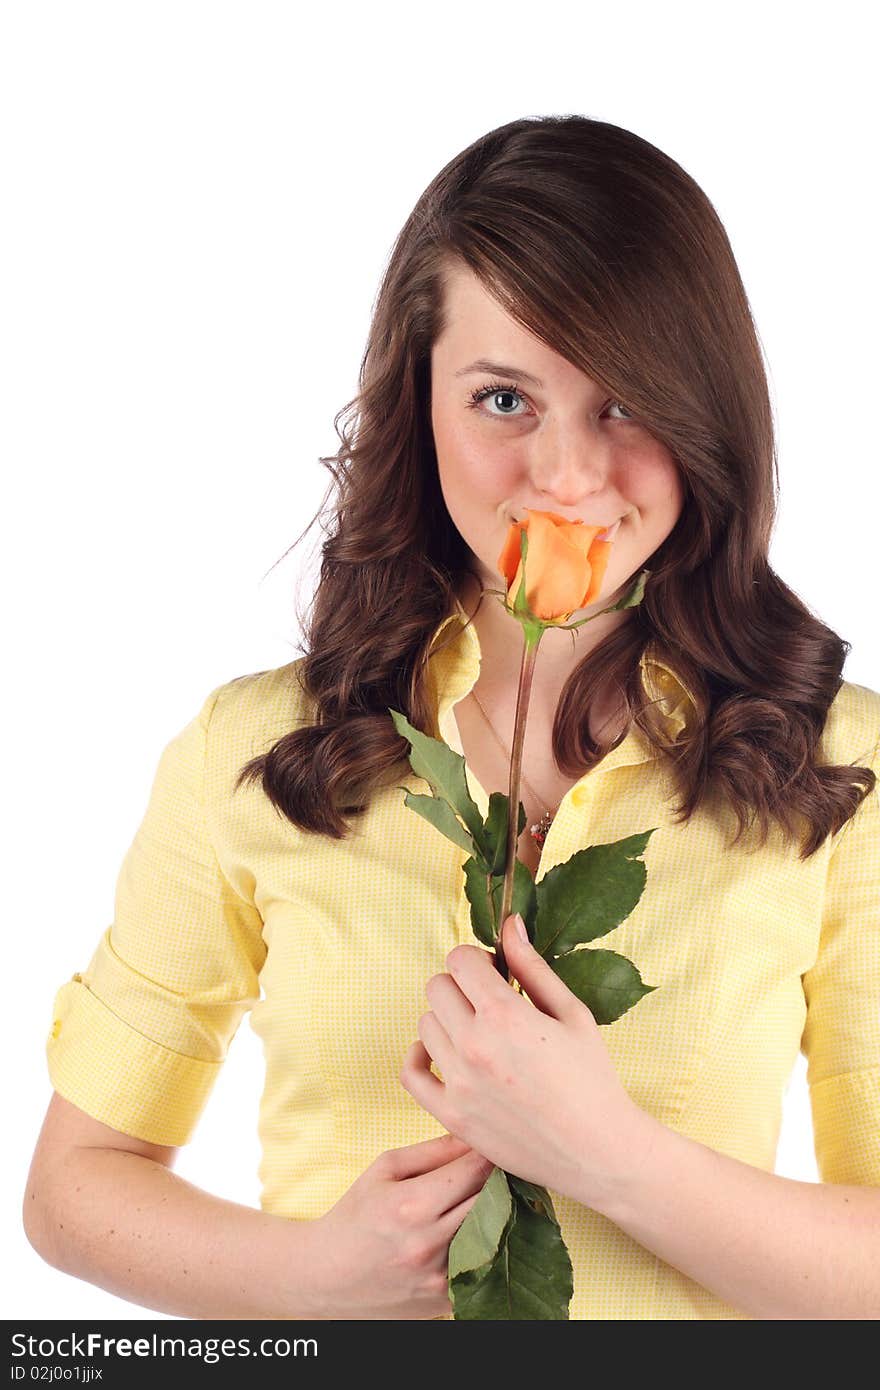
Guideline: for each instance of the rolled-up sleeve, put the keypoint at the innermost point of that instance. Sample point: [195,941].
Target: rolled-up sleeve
[841,1038]
[137,1039]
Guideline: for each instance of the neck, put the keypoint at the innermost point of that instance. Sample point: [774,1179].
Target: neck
[501,646]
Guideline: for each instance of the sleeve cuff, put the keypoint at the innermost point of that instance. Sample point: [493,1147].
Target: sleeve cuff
[846,1120]
[120,1077]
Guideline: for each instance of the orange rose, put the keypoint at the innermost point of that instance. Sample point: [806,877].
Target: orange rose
[566,564]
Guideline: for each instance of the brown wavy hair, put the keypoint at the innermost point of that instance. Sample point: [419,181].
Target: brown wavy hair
[609,252]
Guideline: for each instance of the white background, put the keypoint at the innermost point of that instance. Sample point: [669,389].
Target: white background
[199,201]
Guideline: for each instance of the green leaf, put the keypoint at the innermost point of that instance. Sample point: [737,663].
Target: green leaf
[476,1241]
[528,1276]
[485,895]
[441,815]
[523,898]
[496,830]
[444,771]
[590,894]
[606,982]
[537,1197]
[476,887]
[635,595]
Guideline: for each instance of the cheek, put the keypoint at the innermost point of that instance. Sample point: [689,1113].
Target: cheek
[654,484]
[471,467]
[673,491]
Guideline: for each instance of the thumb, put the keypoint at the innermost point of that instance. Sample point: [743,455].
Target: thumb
[540,981]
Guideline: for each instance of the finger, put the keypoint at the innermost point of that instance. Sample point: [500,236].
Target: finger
[437,1041]
[473,970]
[423,1157]
[454,1010]
[417,1078]
[450,1220]
[540,982]
[444,1188]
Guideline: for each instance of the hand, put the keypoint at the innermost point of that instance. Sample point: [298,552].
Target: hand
[532,1088]
[382,1250]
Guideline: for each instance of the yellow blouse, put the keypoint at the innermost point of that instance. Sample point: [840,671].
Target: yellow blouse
[223,907]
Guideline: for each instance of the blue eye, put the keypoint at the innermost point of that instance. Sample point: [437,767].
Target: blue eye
[494,389]
[501,388]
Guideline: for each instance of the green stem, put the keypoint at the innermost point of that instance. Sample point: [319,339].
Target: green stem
[527,669]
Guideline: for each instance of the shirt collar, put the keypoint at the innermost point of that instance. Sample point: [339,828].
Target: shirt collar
[456,666]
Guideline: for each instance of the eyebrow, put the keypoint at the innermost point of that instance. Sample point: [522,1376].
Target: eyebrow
[483,365]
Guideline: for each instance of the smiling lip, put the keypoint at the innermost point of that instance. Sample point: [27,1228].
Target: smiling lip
[518,519]
[606,534]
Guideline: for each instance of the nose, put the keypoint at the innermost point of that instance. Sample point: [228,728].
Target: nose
[570,470]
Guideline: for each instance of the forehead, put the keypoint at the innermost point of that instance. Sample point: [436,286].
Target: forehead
[466,301]
[478,327]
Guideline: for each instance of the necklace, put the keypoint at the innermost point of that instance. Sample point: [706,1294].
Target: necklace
[538,832]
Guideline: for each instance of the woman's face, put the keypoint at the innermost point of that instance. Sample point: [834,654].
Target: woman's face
[558,443]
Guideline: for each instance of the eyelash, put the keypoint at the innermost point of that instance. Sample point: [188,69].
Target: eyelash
[481,392]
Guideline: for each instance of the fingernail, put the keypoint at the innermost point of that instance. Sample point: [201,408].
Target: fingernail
[520,927]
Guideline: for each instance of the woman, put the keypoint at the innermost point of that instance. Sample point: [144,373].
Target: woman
[561,327]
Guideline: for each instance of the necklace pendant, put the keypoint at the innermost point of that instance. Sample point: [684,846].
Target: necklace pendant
[539,832]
